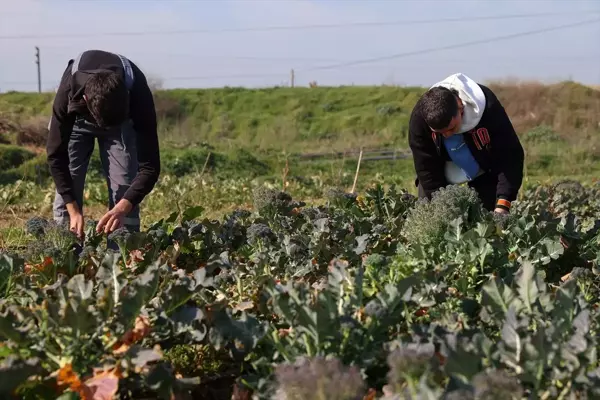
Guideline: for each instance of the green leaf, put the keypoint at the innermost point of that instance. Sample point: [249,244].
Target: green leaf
[536,356]
[7,330]
[362,243]
[140,357]
[14,372]
[553,251]
[69,396]
[527,288]
[172,217]
[496,297]
[201,279]
[582,322]
[243,334]
[109,272]
[192,213]
[564,302]
[485,230]
[79,288]
[161,379]
[510,334]
[139,292]
[7,271]
[186,320]
[462,364]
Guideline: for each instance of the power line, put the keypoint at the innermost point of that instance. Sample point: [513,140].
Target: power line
[183,78]
[451,46]
[293,27]
[282,75]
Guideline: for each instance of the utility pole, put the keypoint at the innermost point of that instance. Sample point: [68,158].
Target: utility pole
[292,77]
[39,71]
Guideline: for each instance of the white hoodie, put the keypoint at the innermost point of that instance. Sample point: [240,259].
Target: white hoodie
[472,97]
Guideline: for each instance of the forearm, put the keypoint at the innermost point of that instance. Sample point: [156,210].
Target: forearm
[143,116]
[59,132]
[510,161]
[141,186]
[73,208]
[148,156]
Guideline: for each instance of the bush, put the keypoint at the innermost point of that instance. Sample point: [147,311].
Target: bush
[33,132]
[13,156]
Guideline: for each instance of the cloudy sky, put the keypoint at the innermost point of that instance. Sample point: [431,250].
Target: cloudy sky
[213,43]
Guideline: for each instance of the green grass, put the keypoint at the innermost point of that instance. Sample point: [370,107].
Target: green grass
[311,119]
[12,156]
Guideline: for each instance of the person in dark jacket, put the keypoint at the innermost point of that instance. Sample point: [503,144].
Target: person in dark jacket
[105,97]
[459,132]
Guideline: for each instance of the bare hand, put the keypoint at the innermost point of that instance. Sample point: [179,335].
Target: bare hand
[114,218]
[75,220]
[77,225]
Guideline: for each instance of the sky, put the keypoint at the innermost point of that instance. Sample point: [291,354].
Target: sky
[256,43]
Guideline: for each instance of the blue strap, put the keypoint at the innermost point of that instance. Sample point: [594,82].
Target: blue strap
[129,78]
[461,155]
[75,66]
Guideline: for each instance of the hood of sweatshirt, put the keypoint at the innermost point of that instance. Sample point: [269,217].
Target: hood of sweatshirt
[472,97]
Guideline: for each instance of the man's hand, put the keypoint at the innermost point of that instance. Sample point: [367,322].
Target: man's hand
[76,220]
[114,218]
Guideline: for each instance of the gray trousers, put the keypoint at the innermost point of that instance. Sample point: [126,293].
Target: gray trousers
[118,156]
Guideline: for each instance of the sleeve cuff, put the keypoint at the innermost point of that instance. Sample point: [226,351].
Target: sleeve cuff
[503,204]
[133,198]
[67,197]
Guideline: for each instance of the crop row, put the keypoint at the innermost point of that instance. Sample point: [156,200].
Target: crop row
[373,296]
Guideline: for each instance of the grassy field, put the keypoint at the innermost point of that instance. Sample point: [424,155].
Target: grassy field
[237,138]
[227,140]
[336,118]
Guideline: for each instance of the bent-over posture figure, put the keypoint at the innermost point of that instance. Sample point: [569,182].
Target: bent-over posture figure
[459,132]
[105,97]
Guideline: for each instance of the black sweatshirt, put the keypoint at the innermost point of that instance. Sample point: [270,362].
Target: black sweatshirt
[493,143]
[68,105]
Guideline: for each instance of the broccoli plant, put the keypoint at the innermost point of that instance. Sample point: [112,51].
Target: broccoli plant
[271,202]
[54,248]
[427,223]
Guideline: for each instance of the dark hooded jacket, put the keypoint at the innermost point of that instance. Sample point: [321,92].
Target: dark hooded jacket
[492,141]
[69,105]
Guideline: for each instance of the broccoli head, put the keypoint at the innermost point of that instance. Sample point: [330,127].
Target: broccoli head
[120,236]
[36,226]
[374,309]
[428,221]
[259,232]
[339,198]
[272,202]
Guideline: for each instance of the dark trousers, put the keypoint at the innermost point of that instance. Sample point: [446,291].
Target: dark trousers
[485,186]
[118,156]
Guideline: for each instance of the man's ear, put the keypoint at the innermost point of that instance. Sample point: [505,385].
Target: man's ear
[85,98]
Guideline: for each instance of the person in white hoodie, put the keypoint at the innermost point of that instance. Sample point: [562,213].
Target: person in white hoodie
[459,132]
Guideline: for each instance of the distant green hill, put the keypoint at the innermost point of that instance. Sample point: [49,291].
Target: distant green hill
[327,118]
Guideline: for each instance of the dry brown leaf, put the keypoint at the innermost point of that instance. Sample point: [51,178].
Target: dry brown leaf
[140,330]
[103,386]
[370,394]
[67,378]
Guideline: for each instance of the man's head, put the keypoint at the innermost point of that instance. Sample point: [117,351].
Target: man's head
[442,110]
[107,98]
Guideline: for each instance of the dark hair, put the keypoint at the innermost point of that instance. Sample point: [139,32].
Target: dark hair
[107,98]
[439,106]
